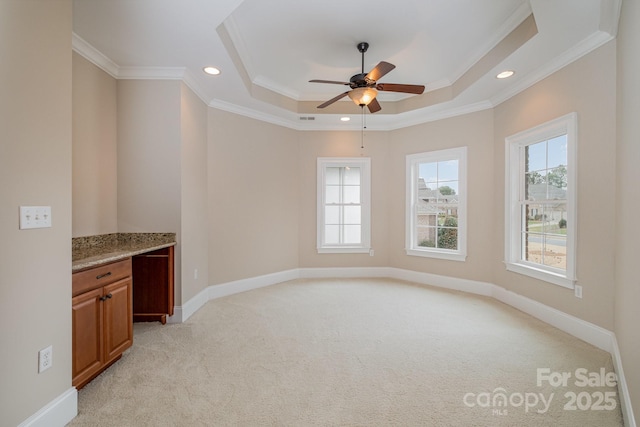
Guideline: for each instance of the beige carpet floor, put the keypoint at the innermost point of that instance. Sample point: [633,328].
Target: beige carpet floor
[351,352]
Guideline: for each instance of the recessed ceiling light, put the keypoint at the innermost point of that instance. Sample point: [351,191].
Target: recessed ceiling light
[505,74]
[211,70]
[345,119]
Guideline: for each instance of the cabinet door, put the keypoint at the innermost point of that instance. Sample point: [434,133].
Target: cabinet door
[118,318]
[153,282]
[87,338]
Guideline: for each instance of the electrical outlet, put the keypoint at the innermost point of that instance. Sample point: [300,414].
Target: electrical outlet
[195,274]
[35,217]
[45,359]
[370,252]
[578,291]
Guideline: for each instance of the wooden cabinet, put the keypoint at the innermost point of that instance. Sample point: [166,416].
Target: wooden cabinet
[102,318]
[153,285]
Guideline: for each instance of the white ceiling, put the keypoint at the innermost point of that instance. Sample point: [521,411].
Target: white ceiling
[268,50]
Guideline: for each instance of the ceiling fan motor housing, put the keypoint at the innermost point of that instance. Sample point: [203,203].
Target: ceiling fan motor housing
[359,80]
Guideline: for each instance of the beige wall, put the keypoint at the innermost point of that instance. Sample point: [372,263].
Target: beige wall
[35,169]
[627,296]
[253,198]
[95,168]
[342,144]
[194,238]
[588,87]
[149,160]
[475,131]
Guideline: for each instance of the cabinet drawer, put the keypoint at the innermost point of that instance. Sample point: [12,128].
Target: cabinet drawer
[99,276]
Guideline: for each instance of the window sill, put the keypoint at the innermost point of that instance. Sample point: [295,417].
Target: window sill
[343,250]
[540,274]
[451,256]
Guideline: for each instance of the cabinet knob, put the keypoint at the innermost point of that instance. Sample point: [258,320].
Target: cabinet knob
[106,297]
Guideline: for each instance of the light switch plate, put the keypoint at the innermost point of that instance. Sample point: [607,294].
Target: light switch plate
[35,217]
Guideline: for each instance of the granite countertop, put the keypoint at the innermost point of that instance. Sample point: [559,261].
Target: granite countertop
[91,251]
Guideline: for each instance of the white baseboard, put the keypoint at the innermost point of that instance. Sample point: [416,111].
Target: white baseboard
[625,398]
[182,313]
[56,413]
[237,286]
[593,334]
[343,272]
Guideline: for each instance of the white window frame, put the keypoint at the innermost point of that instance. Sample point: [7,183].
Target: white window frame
[413,160]
[514,196]
[364,163]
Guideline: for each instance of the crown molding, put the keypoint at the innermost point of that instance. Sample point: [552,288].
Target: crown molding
[93,55]
[254,114]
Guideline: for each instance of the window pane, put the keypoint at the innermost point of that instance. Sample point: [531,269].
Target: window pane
[332,214]
[332,176]
[536,156]
[352,215]
[557,152]
[352,234]
[332,234]
[448,188]
[555,216]
[351,176]
[448,170]
[555,253]
[532,247]
[332,194]
[428,172]
[557,180]
[426,237]
[448,237]
[536,191]
[534,177]
[535,217]
[351,194]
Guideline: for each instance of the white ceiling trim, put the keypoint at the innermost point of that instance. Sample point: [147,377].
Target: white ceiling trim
[418,117]
[93,55]
[239,45]
[254,114]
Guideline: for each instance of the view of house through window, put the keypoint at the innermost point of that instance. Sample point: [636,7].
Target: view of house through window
[544,208]
[540,233]
[436,204]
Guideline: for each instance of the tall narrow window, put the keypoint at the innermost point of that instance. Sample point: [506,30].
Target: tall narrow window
[436,204]
[344,205]
[541,201]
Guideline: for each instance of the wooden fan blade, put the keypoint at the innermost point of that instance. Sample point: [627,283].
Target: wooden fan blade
[330,82]
[332,100]
[380,70]
[393,87]
[374,106]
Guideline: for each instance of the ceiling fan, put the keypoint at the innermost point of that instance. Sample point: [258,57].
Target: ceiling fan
[364,87]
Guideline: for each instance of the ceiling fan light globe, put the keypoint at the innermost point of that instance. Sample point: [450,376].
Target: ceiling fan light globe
[363,95]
